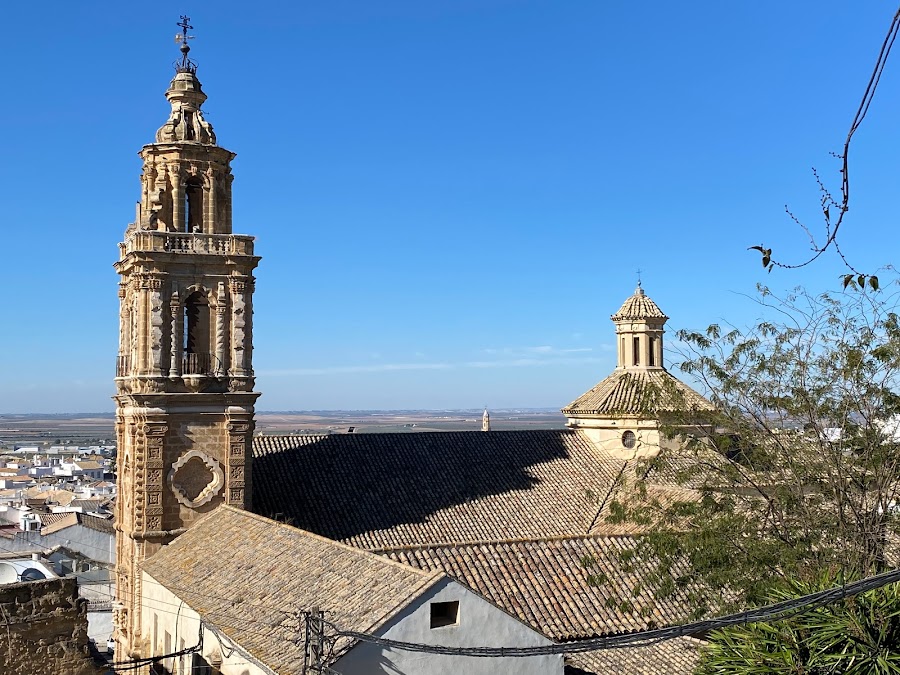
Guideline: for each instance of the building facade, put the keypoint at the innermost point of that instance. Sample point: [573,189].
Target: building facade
[184,374]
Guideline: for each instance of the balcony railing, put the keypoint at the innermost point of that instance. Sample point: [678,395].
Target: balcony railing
[191,364]
[189,242]
[199,364]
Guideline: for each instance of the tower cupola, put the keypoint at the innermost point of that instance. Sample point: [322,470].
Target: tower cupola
[622,413]
[186,123]
[639,332]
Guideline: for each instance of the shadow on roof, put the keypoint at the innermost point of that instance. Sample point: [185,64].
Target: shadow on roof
[341,486]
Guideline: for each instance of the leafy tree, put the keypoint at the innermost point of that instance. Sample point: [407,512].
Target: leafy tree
[797,472]
[859,636]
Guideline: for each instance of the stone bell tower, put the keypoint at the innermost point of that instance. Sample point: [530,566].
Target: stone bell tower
[184,374]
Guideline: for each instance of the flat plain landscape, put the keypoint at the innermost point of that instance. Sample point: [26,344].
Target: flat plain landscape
[98,428]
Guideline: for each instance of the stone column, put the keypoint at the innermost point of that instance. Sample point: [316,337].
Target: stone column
[221,308]
[229,179]
[124,338]
[134,331]
[239,327]
[178,224]
[156,323]
[143,326]
[209,201]
[177,333]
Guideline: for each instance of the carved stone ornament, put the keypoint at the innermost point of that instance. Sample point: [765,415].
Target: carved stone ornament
[195,479]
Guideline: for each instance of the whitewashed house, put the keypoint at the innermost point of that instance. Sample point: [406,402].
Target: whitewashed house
[247,578]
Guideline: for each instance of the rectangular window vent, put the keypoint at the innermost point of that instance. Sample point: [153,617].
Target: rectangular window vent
[444,614]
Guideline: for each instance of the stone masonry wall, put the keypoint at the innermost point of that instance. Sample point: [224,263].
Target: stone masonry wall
[43,629]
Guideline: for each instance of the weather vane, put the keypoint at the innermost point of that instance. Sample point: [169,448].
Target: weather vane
[186,65]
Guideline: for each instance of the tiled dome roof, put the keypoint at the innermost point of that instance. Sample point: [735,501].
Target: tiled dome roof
[639,306]
[638,393]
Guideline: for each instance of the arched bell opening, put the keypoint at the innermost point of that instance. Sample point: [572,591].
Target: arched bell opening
[193,205]
[197,335]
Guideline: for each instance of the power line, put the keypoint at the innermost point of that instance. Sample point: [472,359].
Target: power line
[777,611]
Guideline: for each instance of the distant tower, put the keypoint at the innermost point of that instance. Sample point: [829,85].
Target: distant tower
[184,375]
[485,420]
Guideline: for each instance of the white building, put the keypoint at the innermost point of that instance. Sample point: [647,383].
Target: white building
[245,577]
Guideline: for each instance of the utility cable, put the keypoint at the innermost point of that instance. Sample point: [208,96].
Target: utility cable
[773,612]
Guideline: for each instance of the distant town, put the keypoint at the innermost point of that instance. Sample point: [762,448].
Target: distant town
[97,429]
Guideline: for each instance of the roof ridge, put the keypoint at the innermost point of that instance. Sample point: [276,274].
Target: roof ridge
[499,542]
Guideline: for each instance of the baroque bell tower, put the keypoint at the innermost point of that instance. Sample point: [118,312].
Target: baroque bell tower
[184,374]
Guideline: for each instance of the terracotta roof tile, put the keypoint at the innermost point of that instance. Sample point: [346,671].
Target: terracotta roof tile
[678,656]
[639,306]
[637,392]
[50,518]
[67,520]
[96,523]
[380,491]
[546,583]
[272,570]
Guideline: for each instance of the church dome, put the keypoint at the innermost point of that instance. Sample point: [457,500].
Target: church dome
[637,307]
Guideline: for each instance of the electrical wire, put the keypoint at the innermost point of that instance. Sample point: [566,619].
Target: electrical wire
[134,664]
[773,612]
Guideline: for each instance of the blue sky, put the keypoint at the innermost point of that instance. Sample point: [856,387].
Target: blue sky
[450,198]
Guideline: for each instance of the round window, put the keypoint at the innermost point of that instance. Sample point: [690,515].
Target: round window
[629,440]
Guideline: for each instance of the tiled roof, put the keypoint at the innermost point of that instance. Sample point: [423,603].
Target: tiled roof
[639,306]
[269,571]
[94,504]
[546,583]
[380,491]
[637,392]
[62,497]
[54,522]
[97,523]
[678,656]
[67,520]
[50,518]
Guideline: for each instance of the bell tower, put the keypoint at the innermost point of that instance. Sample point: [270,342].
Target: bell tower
[184,374]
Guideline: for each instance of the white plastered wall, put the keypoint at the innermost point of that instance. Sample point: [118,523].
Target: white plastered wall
[166,612]
[480,624]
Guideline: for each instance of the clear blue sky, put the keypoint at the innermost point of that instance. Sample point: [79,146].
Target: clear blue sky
[450,197]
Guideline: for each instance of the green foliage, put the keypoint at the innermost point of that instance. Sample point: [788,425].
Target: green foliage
[798,470]
[859,636]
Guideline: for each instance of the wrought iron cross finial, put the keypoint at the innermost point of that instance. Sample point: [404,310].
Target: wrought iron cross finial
[185,27]
[186,64]
[639,270]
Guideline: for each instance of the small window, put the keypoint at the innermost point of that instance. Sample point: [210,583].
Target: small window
[629,440]
[651,356]
[637,351]
[444,614]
